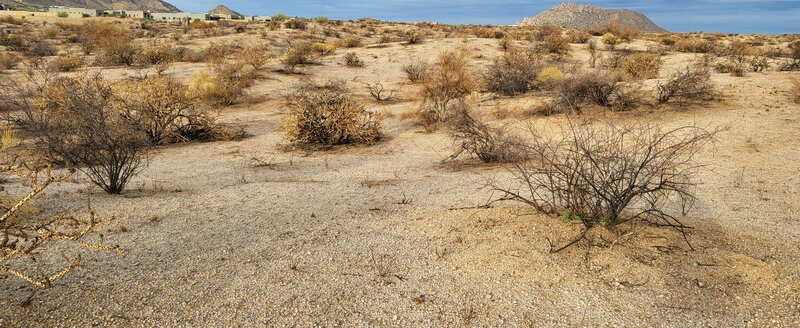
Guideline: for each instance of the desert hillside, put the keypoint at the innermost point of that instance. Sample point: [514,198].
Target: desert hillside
[586,16]
[152,5]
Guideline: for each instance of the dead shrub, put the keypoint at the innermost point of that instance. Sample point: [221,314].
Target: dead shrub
[514,72]
[255,56]
[67,63]
[449,80]
[693,45]
[300,53]
[377,91]
[8,60]
[226,86]
[609,174]
[414,37]
[117,54]
[81,127]
[416,70]
[601,88]
[690,83]
[326,115]
[27,238]
[351,59]
[162,109]
[160,55]
[349,42]
[98,34]
[555,44]
[476,138]
[296,24]
[578,36]
[323,49]
[641,66]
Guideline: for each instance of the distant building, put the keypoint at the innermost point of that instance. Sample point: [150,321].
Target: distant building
[124,13]
[261,18]
[75,11]
[179,16]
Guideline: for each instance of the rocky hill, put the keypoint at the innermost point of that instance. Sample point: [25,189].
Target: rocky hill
[152,5]
[586,16]
[225,11]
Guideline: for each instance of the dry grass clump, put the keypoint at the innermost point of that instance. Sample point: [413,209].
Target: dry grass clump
[416,70]
[641,66]
[300,53]
[326,115]
[514,72]
[81,127]
[476,138]
[447,81]
[296,24]
[226,86]
[67,63]
[117,54]
[8,60]
[414,37]
[351,59]
[609,174]
[26,237]
[690,83]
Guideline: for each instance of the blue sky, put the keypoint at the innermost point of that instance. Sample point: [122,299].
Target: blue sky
[732,16]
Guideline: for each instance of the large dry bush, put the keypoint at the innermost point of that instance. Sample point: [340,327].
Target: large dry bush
[514,72]
[159,55]
[625,32]
[602,88]
[449,79]
[28,239]
[18,103]
[694,45]
[117,54]
[687,84]
[82,127]
[326,115]
[100,34]
[641,66]
[476,138]
[255,56]
[226,86]
[161,107]
[299,53]
[608,174]
[67,63]
[416,70]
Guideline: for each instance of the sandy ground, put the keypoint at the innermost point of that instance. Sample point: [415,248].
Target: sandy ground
[387,235]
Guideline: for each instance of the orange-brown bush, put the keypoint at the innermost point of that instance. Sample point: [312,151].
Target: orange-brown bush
[156,54]
[117,54]
[641,66]
[326,115]
[555,44]
[81,127]
[449,80]
[598,87]
[476,138]
[513,72]
[99,34]
[296,24]
[578,36]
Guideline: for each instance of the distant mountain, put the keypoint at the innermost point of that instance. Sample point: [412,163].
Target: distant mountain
[151,5]
[586,16]
[224,11]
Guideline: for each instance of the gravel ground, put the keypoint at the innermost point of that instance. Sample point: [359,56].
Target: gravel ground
[388,236]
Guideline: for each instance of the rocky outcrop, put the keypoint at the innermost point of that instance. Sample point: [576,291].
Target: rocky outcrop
[586,16]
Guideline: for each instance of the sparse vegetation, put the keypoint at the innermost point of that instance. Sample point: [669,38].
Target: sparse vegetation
[690,83]
[490,144]
[641,66]
[416,70]
[326,115]
[449,80]
[514,72]
[351,60]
